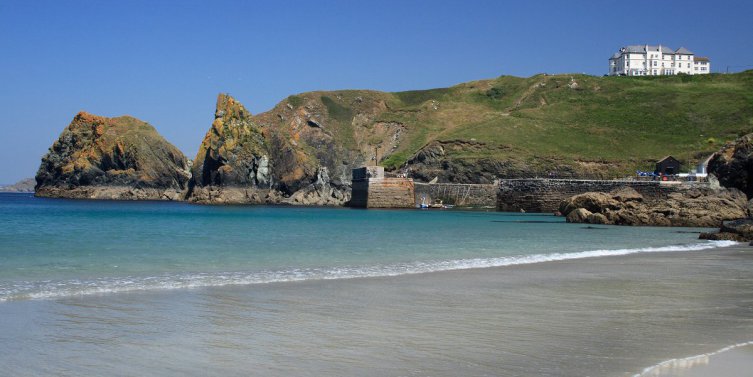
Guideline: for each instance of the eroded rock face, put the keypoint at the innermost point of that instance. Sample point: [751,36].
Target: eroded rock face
[243,161]
[733,165]
[436,160]
[322,192]
[453,161]
[233,152]
[112,158]
[625,206]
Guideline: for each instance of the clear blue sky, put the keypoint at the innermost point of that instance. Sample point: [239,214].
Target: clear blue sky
[165,61]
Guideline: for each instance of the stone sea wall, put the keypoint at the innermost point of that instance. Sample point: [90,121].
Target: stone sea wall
[545,195]
[458,194]
[383,193]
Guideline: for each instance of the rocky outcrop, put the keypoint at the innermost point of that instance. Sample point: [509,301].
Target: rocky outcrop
[232,164]
[436,160]
[243,160]
[695,207]
[441,160]
[112,158]
[736,230]
[323,192]
[733,165]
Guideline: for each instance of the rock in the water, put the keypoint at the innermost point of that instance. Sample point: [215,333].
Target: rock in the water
[578,215]
[736,230]
[692,207]
[743,227]
[241,161]
[591,201]
[112,158]
[721,236]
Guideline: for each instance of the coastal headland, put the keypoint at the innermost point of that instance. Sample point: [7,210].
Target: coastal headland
[477,144]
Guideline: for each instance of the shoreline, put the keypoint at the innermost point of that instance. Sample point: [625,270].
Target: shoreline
[606,316]
[189,281]
[730,361]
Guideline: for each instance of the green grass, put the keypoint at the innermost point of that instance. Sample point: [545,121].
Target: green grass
[337,111]
[417,97]
[622,122]
[615,118]
[295,101]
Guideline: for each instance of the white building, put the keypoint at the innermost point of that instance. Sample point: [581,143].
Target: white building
[645,60]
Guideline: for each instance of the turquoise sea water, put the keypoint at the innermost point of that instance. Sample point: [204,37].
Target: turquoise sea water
[93,288]
[58,248]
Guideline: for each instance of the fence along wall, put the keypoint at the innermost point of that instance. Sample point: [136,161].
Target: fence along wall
[458,194]
[545,195]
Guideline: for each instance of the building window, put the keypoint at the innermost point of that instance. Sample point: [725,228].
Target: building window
[654,63]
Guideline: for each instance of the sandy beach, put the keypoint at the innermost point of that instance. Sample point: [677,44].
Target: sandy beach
[607,316]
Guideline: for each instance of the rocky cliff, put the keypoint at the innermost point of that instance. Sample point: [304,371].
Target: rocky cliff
[733,165]
[302,151]
[112,158]
[284,156]
[695,207]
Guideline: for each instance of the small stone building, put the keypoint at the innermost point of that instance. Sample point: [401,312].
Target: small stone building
[668,166]
[371,189]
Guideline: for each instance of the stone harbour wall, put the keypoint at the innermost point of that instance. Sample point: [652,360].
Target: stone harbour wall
[460,195]
[545,195]
[383,193]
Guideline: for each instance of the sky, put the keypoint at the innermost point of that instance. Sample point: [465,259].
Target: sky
[164,62]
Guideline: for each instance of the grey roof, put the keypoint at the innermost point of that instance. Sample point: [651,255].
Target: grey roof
[664,49]
[643,48]
[616,55]
[635,48]
[683,50]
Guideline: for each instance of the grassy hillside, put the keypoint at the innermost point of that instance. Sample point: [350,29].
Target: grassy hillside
[582,124]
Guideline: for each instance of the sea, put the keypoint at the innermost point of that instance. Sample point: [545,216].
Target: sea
[117,288]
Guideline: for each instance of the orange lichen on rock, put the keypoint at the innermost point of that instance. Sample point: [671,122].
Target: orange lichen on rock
[100,151]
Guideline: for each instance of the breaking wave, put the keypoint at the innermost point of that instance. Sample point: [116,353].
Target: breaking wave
[25,290]
[685,363]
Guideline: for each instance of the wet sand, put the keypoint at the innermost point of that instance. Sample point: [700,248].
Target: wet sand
[605,316]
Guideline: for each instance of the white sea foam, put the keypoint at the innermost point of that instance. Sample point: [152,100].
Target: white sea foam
[68,288]
[685,363]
